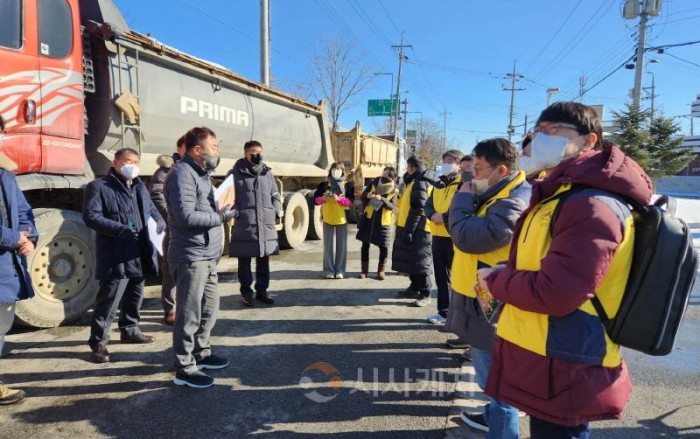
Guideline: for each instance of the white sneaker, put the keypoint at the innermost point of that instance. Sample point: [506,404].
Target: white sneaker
[330,276]
[339,275]
[437,319]
[423,301]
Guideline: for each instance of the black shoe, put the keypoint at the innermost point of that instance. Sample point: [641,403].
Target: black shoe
[408,292]
[247,301]
[466,355]
[264,298]
[137,339]
[475,420]
[100,354]
[212,362]
[198,380]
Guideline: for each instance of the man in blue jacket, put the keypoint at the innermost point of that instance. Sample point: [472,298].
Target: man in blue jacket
[118,207]
[16,229]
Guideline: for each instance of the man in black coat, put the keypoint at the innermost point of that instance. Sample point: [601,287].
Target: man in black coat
[117,207]
[254,234]
[412,252]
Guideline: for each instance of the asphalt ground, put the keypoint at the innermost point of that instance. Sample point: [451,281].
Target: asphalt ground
[332,358]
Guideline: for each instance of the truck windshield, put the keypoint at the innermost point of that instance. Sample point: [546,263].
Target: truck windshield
[11,23]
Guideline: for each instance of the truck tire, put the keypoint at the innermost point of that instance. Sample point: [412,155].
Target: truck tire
[62,269]
[315,221]
[295,223]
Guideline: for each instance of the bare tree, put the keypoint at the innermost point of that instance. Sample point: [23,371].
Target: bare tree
[429,142]
[338,73]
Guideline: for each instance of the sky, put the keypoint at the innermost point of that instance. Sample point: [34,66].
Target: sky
[461,52]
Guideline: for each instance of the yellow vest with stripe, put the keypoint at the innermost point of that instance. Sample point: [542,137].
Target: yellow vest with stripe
[540,333]
[333,213]
[405,206]
[387,214]
[465,265]
[442,198]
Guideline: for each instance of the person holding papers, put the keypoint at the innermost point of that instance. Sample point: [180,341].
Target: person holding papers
[117,207]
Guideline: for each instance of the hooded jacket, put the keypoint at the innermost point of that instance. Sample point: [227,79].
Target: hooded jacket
[585,249]
[258,203]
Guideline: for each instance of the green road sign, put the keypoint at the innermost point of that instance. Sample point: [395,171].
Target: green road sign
[381,107]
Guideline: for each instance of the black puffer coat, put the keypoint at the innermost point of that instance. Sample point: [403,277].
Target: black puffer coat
[414,257]
[258,204]
[371,229]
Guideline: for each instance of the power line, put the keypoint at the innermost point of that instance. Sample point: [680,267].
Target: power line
[391,20]
[681,59]
[556,33]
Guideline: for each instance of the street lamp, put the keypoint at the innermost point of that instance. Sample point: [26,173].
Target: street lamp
[652,96]
[550,92]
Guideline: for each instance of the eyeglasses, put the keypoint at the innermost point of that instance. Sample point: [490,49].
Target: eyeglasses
[478,170]
[554,128]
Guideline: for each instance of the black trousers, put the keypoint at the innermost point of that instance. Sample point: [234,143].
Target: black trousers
[124,294]
[364,253]
[443,253]
[262,275]
[420,283]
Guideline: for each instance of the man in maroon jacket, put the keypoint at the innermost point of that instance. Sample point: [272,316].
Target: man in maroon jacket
[551,357]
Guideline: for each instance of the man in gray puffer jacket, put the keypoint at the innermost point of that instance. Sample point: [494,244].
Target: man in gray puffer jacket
[254,234]
[195,247]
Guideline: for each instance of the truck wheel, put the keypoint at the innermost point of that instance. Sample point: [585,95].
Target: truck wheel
[315,221]
[62,268]
[296,220]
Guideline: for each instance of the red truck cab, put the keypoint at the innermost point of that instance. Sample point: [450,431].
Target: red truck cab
[41,85]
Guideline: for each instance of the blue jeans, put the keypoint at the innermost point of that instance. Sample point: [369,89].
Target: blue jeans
[540,429]
[501,418]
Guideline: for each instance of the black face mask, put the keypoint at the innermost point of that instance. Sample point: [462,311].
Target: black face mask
[256,158]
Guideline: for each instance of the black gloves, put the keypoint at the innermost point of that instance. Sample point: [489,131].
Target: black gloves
[129,235]
[408,238]
[229,215]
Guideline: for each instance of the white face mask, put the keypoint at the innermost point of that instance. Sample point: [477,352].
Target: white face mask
[482,185]
[527,165]
[548,151]
[336,173]
[130,171]
[448,168]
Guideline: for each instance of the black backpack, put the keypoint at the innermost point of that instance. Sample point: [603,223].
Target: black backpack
[661,278]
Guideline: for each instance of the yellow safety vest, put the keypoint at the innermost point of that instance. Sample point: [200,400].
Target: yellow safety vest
[442,198]
[387,214]
[578,337]
[405,206]
[465,265]
[333,213]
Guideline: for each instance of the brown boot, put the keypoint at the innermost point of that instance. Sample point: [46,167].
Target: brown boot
[380,271]
[364,269]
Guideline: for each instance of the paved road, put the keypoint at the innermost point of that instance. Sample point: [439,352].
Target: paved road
[333,358]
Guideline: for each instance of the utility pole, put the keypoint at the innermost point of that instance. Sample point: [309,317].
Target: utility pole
[513,77]
[582,87]
[402,58]
[265,42]
[444,128]
[642,9]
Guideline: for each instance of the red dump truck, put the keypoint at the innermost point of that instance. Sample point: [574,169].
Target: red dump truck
[76,84]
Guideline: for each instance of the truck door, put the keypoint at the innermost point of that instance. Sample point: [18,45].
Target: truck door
[61,75]
[19,83]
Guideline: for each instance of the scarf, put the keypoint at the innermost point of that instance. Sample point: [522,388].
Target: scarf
[337,185]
